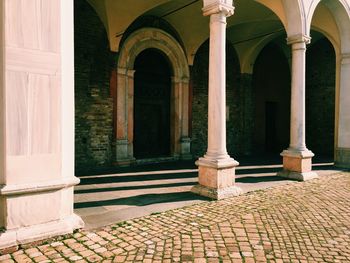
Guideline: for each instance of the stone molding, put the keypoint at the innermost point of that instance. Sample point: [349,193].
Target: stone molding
[138,41]
[298,176]
[299,38]
[298,153]
[32,61]
[345,59]
[42,231]
[219,7]
[37,187]
[223,163]
[217,193]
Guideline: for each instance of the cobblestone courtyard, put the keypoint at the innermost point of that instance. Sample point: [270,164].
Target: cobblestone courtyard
[297,222]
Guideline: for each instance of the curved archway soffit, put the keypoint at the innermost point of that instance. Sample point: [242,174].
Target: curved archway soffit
[340,10]
[248,61]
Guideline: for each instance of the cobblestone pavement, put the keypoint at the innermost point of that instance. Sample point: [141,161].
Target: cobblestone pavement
[298,222]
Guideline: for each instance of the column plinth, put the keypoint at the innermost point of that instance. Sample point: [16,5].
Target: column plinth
[297,165]
[217,168]
[297,159]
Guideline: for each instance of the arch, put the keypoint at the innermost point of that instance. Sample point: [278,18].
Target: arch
[277,8]
[149,21]
[341,13]
[291,13]
[329,37]
[154,38]
[295,16]
[137,42]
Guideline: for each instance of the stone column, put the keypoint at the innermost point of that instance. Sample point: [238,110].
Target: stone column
[217,168]
[297,159]
[342,151]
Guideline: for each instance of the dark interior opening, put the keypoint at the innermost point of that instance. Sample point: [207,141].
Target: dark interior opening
[271,85]
[320,97]
[152,88]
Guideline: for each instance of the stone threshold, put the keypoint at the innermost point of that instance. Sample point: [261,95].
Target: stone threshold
[156,160]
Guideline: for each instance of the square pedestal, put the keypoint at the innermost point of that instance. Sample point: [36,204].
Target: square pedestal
[216,183]
[297,166]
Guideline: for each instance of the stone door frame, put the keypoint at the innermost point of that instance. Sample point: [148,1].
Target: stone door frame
[137,42]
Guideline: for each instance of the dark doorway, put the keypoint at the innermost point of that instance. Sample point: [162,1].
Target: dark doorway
[271,84]
[152,105]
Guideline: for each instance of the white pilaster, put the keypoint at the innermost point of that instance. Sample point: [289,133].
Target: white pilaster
[297,159]
[217,168]
[37,109]
[342,151]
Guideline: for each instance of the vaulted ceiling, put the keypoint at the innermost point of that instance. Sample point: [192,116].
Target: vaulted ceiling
[253,23]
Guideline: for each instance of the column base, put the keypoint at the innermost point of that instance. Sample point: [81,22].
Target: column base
[217,178]
[297,165]
[125,162]
[15,237]
[185,149]
[123,156]
[217,193]
[297,175]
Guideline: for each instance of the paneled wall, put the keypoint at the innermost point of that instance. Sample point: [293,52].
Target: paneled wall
[32,33]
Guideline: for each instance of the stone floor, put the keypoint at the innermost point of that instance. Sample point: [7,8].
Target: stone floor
[295,222]
[138,191]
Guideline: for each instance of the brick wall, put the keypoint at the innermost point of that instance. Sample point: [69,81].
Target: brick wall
[320,97]
[93,105]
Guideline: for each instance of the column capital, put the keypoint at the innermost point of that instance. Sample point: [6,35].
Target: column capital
[298,39]
[345,59]
[224,7]
[176,79]
[125,72]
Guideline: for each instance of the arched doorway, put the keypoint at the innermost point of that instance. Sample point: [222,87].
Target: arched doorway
[147,44]
[271,87]
[152,88]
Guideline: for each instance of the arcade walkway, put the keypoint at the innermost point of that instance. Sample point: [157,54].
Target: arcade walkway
[295,222]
